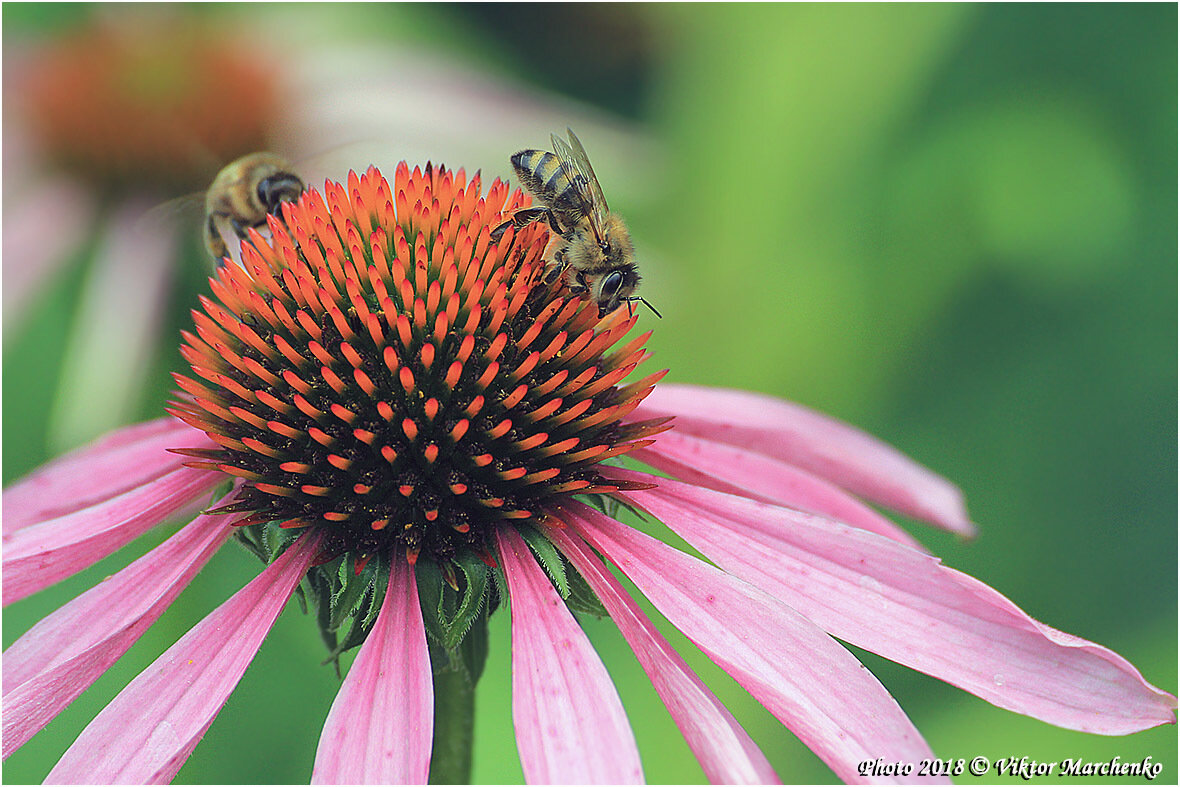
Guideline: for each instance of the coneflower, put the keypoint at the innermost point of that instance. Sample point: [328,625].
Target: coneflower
[410,423]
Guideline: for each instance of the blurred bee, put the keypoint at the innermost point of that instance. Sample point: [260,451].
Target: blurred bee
[594,242]
[243,194]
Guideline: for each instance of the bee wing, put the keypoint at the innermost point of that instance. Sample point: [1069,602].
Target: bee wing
[186,209]
[575,155]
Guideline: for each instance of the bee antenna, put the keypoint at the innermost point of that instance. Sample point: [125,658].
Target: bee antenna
[643,300]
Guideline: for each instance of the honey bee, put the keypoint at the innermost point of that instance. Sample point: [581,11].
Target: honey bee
[243,194]
[595,243]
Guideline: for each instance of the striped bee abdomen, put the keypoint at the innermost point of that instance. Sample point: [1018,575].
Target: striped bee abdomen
[550,180]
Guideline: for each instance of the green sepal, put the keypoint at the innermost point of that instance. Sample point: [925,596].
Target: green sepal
[448,613]
[469,658]
[349,591]
[220,491]
[277,539]
[473,652]
[267,541]
[319,593]
[334,592]
[250,538]
[356,597]
[499,585]
[566,579]
[610,505]
[548,556]
[582,598]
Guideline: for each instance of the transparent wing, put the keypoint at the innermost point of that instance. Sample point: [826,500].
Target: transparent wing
[575,155]
[187,209]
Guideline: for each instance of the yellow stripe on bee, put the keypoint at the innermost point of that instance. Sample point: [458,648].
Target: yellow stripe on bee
[552,174]
[549,178]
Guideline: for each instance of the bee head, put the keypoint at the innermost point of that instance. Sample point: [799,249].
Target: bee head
[614,288]
[277,188]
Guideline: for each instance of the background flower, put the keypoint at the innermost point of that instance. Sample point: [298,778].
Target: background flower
[951,226]
[125,109]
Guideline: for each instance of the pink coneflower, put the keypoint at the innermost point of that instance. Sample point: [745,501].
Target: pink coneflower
[411,421]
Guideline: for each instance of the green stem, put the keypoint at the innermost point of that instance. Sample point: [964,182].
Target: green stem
[454,727]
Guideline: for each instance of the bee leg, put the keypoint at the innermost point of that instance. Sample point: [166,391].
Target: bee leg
[554,272]
[214,243]
[239,228]
[498,231]
[579,285]
[521,218]
[554,224]
[557,268]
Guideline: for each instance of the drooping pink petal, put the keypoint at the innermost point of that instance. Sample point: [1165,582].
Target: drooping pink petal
[148,732]
[36,557]
[830,449]
[58,659]
[727,468]
[113,464]
[43,226]
[108,354]
[908,607]
[380,726]
[724,749]
[570,725]
[800,674]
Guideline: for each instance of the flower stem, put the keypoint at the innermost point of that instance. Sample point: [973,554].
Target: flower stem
[454,727]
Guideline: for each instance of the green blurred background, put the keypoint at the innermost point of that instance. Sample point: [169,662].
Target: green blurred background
[953,226]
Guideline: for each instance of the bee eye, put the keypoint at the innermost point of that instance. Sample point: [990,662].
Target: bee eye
[264,192]
[611,283]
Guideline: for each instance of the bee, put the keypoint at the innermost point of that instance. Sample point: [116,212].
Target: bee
[595,243]
[243,194]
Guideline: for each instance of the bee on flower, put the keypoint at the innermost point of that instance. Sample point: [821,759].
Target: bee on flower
[594,243]
[408,419]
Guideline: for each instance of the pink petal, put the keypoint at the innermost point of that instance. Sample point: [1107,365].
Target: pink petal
[800,674]
[724,749]
[36,557]
[821,445]
[380,726]
[113,464]
[906,606]
[570,725]
[108,355]
[58,659]
[147,732]
[730,469]
[43,227]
